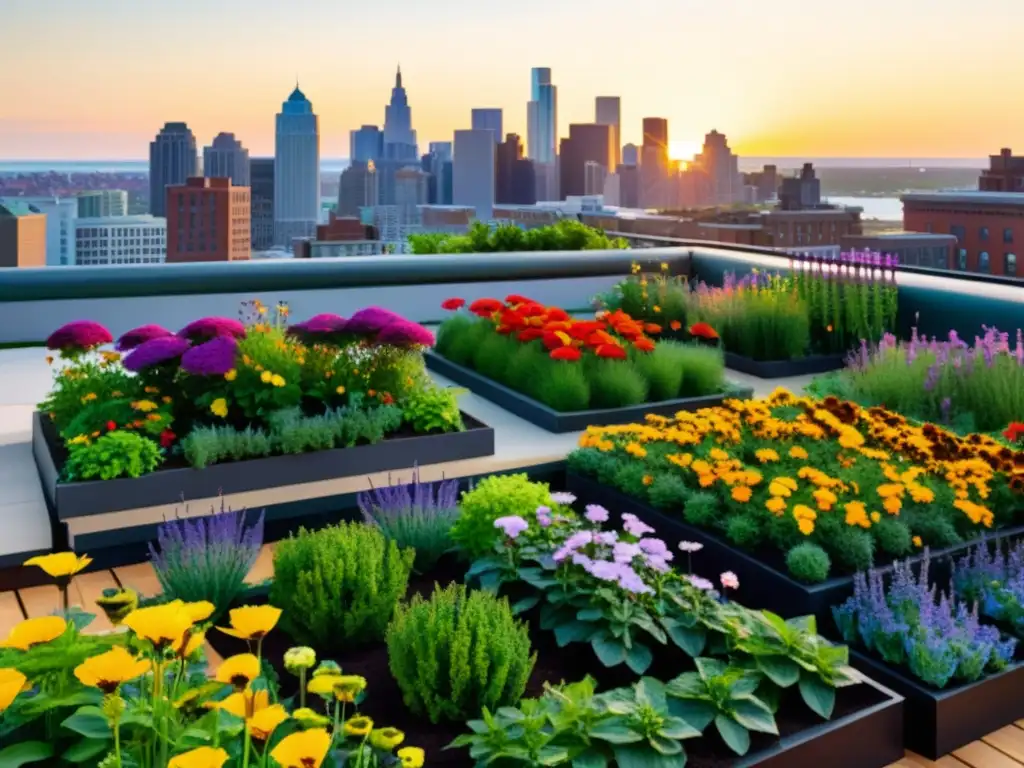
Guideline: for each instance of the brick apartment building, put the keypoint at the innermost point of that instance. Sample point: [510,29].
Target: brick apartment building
[208,220]
[1005,173]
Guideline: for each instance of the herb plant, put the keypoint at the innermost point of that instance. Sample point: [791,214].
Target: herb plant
[433,409]
[109,456]
[494,497]
[991,576]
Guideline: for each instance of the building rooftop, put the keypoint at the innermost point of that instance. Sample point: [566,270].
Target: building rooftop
[17,208]
[980,198]
[123,221]
[899,234]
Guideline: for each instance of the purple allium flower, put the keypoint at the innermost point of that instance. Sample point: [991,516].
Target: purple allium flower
[371,321]
[211,327]
[512,525]
[79,335]
[634,526]
[405,333]
[155,352]
[213,358]
[699,582]
[563,497]
[596,513]
[136,336]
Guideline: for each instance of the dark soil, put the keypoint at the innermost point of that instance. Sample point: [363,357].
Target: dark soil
[384,700]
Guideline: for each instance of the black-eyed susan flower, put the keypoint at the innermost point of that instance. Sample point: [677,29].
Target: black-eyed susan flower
[200,757]
[108,670]
[12,682]
[35,632]
[358,726]
[305,749]
[238,671]
[252,622]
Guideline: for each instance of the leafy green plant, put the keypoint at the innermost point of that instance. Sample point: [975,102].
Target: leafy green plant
[703,370]
[339,586]
[808,563]
[433,409]
[113,455]
[88,378]
[150,417]
[204,445]
[457,652]
[492,498]
[565,235]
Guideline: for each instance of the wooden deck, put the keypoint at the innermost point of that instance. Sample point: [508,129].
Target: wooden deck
[1002,749]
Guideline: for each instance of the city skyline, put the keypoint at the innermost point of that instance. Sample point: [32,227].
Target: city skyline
[767,80]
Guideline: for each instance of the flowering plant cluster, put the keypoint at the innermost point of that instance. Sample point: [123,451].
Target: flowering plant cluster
[991,576]
[236,374]
[839,484]
[618,592]
[907,622]
[142,697]
[607,361]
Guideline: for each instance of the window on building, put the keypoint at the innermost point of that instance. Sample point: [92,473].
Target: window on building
[983,262]
[961,259]
[983,233]
[959,232]
[1008,235]
[1010,264]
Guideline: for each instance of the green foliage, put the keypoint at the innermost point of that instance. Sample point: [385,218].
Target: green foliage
[703,370]
[494,497]
[853,549]
[458,338]
[565,235]
[458,652]
[113,455]
[433,409]
[271,354]
[651,296]
[744,530]
[668,492]
[204,446]
[663,369]
[615,384]
[85,380]
[339,586]
[808,563]
[893,536]
[701,509]
[146,416]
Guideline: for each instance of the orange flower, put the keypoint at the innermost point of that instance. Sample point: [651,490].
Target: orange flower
[611,352]
[675,325]
[703,331]
[570,354]
[652,328]
[644,344]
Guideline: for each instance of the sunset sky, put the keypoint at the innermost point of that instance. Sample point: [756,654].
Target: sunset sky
[870,78]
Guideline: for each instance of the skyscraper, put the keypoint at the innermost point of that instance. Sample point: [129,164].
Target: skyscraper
[608,111]
[261,175]
[473,172]
[226,158]
[172,160]
[631,155]
[515,182]
[484,119]
[296,170]
[721,167]
[654,186]
[399,137]
[366,144]
[438,163]
[542,117]
[357,188]
[587,142]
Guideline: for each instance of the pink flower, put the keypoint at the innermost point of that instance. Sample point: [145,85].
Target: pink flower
[211,327]
[729,580]
[79,335]
[137,336]
[634,526]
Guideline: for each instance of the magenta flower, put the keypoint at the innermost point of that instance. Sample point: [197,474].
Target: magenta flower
[211,327]
[371,321]
[79,335]
[405,333]
[213,358]
[155,352]
[512,525]
[136,336]
[319,325]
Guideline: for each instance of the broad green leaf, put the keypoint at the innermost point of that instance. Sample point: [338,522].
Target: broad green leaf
[818,696]
[689,639]
[639,658]
[615,730]
[89,722]
[745,685]
[590,614]
[687,686]
[609,650]
[525,604]
[754,715]
[710,668]
[537,577]
[678,728]
[590,759]
[86,749]
[781,670]
[694,711]
[483,565]
[573,632]
[804,624]
[490,581]
[664,745]
[735,736]
[651,691]
[552,754]
[24,753]
[642,756]
[553,615]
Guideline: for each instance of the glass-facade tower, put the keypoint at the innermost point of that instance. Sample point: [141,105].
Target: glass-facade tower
[542,117]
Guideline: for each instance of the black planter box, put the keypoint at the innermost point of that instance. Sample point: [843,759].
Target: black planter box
[168,486]
[779,369]
[561,421]
[936,722]
[761,584]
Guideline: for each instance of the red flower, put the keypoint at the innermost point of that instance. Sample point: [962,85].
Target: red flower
[111,426]
[581,329]
[167,438]
[644,344]
[453,304]
[652,328]
[515,298]
[558,325]
[675,325]
[530,334]
[611,352]
[485,307]
[555,313]
[511,318]
[569,354]
[597,338]
[703,331]
[556,339]
[532,310]
[386,398]
[1015,432]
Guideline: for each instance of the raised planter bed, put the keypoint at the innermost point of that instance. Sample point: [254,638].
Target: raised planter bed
[168,486]
[779,369]
[936,722]
[560,421]
[762,584]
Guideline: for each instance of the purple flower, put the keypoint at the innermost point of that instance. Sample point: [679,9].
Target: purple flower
[319,326]
[564,498]
[596,513]
[512,525]
[543,516]
[212,327]
[690,546]
[624,552]
[604,570]
[371,321]
[631,581]
[634,526]
[136,336]
[655,547]
[155,352]
[659,564]
[607,538]
[700,583]
[214,358]
[579,539]
[582,560]
[79,335]
[405,333]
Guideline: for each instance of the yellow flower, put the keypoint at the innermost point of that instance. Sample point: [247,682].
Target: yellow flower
[251,622]
[386,738]
[195,642]
[892,505]
[305,749]
[648,479]
[775,505]
[796,452]
[890,490]
[360,725]
[60,565]
[718,454]
[825,499]
[806,526]
[118,604]
[12,682]
[741,493]
[656,308]
[108,670]
[263,722]
[775,488]
[151,390]
[348,687]
[231,375]
[255,708]
[266,376]
[239,670]
[167,626]
[636,450]
[412,757]
[35,632]
[876,517]
[765,455]
[307,718]
[219,407]
[917,541]
[277,380]
[323,685]
[145,406]
[200,757]
[340,390]
[89,397]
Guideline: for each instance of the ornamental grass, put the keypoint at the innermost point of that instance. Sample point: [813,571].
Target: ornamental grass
[847,487]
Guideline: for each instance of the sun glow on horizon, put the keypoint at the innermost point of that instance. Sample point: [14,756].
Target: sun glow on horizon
[683,150]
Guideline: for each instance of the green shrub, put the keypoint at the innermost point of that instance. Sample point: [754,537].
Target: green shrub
[492,355]
[338,587]
[591,462]
[459,336]
[668,492]
[615,384]
[663,369]
[893,536]
[631,478]
[560,385]
[458,653]
[115,454]
[703,371]
[808,563]
[493,497]
[565,235]
[853,549]
[744,530]
[527,365]
[701,510]
[430,408]
[204,446]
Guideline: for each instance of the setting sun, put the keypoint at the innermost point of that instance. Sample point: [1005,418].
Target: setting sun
[683,150]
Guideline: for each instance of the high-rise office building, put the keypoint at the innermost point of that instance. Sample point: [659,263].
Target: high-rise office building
[629,185]
[721,167]
[587,142]
[102,203]
[542,117]
[438,163]
[488,119]
[631,155]
[226,158]
[411,187]
[208,220]
[296,170]
[172,160]
[399,137]
[515,182]
[654,167]
[608,111]
[803,192]
[366,144]
[594,177]
[473,168]
[22,235]
[357,188]
[60,213]
[261,175]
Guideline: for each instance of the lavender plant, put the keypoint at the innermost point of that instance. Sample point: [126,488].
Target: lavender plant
[910,623]
[207,558]
[993,577]
[415,514]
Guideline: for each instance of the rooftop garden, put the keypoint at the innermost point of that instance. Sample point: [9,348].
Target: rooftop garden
[565,235]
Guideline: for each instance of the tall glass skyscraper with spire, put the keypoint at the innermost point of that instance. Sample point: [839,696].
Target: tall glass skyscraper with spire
[399,137]
[542,117]
[296,170]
